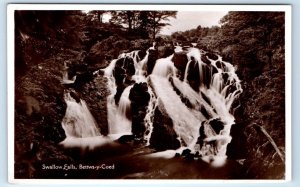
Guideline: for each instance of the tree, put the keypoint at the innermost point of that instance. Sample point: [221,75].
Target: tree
[98,14]
[252,36]
[159,19]
[142,21]
[125,18]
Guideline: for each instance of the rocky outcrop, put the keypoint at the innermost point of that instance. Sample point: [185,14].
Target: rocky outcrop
[165,51]
[180,61]
[39,109]
[95,94]
[139,98]
[103,51]
[123,72]
[153,56]
[163,136]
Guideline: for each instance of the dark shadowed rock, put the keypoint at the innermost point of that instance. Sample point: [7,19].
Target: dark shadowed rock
[207,75]
[120,89]
[202,135]
[153,56]
[139,98]
[165,51]
[180,61]
[187,155]
[219,64]
[82,79]
[95,94]
[193,76]
[211,56]
[205,60]
[142,54]
[217,125]
[186,152]
[126,139]
[75,96]
[163,136]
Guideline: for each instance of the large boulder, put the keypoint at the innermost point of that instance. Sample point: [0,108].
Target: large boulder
[139,98]
[180,61]
[163,136]
[153,56]
[165,51]
[95,95]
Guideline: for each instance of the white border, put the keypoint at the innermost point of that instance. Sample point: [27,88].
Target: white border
[10,84]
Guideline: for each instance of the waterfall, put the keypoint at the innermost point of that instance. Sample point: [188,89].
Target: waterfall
[118,120]
[65,78]
[199,106]
[164,67]
[209,107]
[194,54]
[119,114]
[149,116]
[78,122]
[186,124]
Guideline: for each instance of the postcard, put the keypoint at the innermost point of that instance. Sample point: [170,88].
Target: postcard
[138,92]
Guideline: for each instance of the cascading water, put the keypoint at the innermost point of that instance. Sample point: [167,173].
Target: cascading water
[210,105]
[149,117]
[78,121]
[66,79]
[202,123]
[119,114]
[118,120]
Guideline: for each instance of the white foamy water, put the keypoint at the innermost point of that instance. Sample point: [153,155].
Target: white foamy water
[78,121]
[189,109]
[186,124]
[117,114]
[65,78]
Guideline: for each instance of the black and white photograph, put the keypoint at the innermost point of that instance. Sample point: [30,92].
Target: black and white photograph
[150,92]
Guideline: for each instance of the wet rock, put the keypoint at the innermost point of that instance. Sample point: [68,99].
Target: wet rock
[202,135]
[75,96]
[211,56]
[142,54]
[95,95]
[217,125]
[82,79]
[186,152]
[205,60]
[193,76]
[225,77]
[219,64]
[165,51]
[163,136]
[153,56]
[126,139]
[139,98]
[180,61]
[207,75]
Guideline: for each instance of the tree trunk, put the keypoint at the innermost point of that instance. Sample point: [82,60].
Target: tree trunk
[100,17]
[270,139]
[129,21]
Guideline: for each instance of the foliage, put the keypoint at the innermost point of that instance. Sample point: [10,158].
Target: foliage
[145,23]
